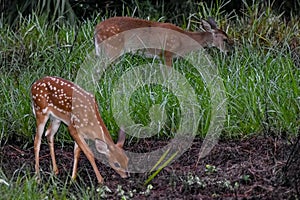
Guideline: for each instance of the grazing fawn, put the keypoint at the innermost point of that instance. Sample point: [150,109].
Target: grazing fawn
[63,101]
[211,37]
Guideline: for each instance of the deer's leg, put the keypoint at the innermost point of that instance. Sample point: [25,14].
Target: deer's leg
[168,58]
[86,150]
[41,121]
[52,129]
[77,151]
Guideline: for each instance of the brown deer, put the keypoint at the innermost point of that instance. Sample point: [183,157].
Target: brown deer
[211,37]
[63,101]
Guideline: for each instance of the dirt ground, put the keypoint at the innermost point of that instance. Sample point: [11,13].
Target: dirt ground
[252,168]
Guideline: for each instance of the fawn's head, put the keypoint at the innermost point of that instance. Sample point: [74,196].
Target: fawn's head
[220,39]
[115,154]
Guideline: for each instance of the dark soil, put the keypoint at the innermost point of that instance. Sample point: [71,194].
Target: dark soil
[252,168]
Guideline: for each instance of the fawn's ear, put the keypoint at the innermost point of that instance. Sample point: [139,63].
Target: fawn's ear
[206,25]
[209,25]
[101,146]
[212,23]
[121,138]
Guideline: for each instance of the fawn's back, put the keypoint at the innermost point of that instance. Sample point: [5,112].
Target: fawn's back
[212,36]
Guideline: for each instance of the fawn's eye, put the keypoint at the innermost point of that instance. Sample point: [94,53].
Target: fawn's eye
[117,165]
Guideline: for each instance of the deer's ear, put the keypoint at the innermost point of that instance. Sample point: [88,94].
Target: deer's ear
[212,23]
[121,138]
[206,25]
[101,146]
[209,25]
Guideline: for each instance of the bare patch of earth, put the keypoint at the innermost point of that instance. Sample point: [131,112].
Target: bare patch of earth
[253,168]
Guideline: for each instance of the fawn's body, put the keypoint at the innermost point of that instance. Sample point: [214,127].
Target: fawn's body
[116,25]
[63,101]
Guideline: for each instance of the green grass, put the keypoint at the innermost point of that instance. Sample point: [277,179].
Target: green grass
[22,185]
[260,78]
[263,92]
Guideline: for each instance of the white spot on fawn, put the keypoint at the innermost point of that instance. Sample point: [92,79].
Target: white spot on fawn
[44,111]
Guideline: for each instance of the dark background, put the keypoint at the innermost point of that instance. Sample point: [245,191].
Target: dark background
[83,9]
